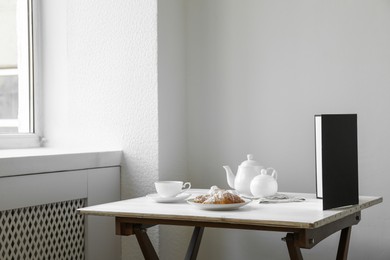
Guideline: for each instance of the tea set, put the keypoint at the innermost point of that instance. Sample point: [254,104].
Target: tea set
[251,181]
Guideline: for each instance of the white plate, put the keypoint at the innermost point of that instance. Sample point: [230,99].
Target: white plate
[157,198]
[218,206]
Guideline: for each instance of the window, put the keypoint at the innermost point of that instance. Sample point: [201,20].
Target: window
[17,126]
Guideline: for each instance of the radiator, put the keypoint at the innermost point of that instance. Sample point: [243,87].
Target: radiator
[45,232]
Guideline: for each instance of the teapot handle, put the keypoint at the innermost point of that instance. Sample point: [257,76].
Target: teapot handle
[273,173]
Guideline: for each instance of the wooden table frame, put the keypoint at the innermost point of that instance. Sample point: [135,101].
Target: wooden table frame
[304,224]
[295,239]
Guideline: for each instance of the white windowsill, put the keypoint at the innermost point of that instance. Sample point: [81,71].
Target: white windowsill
[18,141]
[39,160]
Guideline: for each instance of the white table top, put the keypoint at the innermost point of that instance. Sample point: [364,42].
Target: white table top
[306,214]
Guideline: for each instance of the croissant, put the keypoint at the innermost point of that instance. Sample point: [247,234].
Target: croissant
[218,196]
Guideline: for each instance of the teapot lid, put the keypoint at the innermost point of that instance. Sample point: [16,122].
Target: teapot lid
[250,162]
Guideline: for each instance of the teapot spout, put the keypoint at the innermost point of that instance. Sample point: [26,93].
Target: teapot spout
[230,176]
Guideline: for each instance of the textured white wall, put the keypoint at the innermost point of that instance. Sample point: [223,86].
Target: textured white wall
[100,86]
[258,71]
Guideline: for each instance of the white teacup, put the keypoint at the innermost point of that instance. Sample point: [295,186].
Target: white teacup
[171,188]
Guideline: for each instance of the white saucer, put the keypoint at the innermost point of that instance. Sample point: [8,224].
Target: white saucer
[157,198]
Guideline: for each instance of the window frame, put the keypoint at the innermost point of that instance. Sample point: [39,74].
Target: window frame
[32,139]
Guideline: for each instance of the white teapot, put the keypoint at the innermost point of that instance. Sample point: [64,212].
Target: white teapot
[247,170]
[264,184]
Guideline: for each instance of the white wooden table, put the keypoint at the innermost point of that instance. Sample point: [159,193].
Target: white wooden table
[305,223]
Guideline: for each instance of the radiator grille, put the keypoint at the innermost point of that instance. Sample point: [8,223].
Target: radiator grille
[46,232]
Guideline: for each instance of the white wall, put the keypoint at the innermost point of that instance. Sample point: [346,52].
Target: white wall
[100,86]
[258,71]
[172,113]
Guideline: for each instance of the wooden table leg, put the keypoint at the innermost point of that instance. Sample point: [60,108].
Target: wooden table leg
[193,248]
[293,249]
[342,252]
[144,243]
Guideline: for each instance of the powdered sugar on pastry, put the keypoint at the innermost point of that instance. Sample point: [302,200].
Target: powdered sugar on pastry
[218,196]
